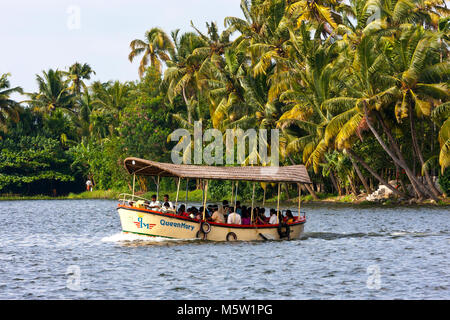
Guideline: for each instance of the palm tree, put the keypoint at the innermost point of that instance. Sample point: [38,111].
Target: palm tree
[8,107]
[77,73]
[110,97]
[182,75]
[156,48]
[421,77]
[54,93]
[317,12]
[441,116]
[311,84]
[216,44]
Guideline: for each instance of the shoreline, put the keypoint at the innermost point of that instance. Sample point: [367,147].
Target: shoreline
[196,196]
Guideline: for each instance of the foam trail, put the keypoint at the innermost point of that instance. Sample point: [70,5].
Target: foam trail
[131,237]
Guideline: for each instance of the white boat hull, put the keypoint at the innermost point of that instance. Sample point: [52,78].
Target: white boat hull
[157,224]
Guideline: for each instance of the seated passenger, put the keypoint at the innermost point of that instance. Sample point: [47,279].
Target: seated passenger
[226,212]
[225,204]
[238,208]
[289,216]
[166,200]
[182,210]
[245,218]
[166,208]
[262,213]
[243,209]
[218,215]
[207,215]
[154,204]
[234,218]
[273,217]
[260,219]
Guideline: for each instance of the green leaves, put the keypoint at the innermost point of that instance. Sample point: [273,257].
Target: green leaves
[32,161]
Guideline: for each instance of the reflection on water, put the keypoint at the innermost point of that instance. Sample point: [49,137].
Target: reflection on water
[42,242]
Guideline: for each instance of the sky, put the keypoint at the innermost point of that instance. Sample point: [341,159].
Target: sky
[44,34]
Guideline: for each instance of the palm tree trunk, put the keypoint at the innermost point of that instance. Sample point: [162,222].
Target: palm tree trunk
[435,192]
[311,191]
[376,175]
[398,177]
[333,181]
[188,107]
[400,162]
[307,186]
[352,185]
[360,175]
[417,185]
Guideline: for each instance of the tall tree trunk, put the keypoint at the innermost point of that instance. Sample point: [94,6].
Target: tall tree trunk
[411,175]
[435,192]
[401,163]
[333,181]
[376,175]
[286,190]
[399,177]
[311,191]
[188,107]
[307,186]
[360,175]
[352,185]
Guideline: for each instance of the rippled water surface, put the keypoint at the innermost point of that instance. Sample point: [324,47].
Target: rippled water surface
[75,250]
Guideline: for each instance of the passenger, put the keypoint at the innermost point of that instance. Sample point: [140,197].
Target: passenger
[166,207]
[289,216]
[226,212]
[282,217]
[207,215]
[238,208]
[262,213]
[273,216]
[182,210]
[259,218]
[154,204]
[234,218]
[218,216]
[245,218]
[166,200]
[225,204]
[196,214]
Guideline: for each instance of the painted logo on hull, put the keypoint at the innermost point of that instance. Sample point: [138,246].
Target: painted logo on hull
[141,225]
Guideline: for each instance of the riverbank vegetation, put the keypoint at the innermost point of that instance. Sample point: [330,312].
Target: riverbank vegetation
[359,91]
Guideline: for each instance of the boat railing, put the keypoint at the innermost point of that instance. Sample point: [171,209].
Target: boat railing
[127,197]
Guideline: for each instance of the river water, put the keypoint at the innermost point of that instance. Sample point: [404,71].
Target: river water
[73,249]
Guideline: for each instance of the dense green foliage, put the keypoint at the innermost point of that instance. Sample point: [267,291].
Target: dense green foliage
[359,91]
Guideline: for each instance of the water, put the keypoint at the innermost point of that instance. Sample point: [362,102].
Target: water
[75,250]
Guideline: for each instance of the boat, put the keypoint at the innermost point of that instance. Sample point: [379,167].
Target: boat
[137,218]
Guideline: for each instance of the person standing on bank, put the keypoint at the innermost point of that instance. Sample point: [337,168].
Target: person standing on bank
[89,185]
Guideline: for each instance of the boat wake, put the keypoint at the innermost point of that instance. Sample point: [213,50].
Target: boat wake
[333,236]
[123,237]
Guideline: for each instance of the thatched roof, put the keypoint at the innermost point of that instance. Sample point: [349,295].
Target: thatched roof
[291,174]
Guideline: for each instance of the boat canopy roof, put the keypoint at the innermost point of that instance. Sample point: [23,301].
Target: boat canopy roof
[291,174]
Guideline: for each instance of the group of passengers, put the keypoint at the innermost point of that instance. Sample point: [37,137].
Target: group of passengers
[241,215]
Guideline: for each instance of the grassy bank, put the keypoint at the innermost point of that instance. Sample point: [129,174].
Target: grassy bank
[196,196]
